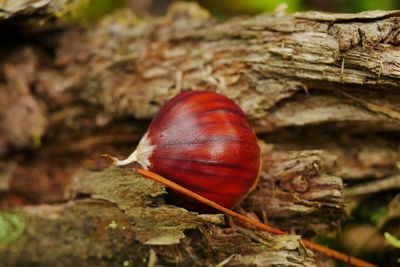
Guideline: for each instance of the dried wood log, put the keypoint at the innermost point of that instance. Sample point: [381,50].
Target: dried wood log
[322,88]
[283,70]
[353,154]
[117,216]
[293,191]
[138,69]
[121,219]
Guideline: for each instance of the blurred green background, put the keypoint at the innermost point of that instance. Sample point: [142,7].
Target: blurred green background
[88,10]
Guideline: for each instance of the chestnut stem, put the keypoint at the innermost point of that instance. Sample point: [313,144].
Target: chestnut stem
[132,158]
[116,162]
[316,247]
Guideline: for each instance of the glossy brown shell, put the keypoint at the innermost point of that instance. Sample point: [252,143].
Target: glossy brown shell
[203,141]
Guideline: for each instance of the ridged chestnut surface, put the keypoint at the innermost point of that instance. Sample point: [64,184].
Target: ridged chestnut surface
[204,142]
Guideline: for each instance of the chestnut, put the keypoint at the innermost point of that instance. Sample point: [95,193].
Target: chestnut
[203,141]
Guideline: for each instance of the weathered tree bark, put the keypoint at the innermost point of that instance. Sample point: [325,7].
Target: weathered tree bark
[322,90]
[126,223]
[339,71]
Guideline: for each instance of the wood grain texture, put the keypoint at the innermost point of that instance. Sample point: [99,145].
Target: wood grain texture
[283,70]
[120,223]
[296,191]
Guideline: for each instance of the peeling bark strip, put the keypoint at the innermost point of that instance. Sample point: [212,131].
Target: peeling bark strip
[10,10]
[297,193]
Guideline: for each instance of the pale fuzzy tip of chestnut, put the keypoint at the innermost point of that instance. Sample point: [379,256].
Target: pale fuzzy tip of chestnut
[141,155]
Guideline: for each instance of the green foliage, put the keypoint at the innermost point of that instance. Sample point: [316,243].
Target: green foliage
[372,214]
[392,241]
[332,242]
[378,214]
[249,6]
[362,5]
[84,11]
[12,227]
[224,7]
